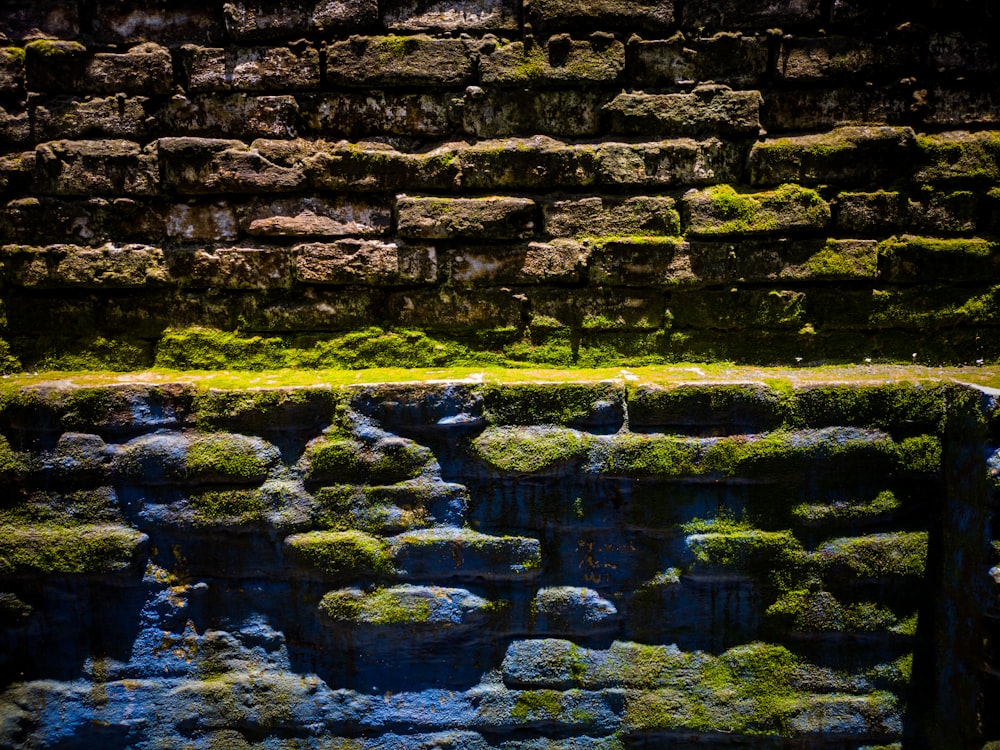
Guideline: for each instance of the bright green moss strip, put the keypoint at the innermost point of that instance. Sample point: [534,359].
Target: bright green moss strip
[344,459]
[531,449]
[549,404]
[74,549]
[878,555]
[920,454]
[819,611]
[663,455]
[721,210]
[338,553]
[380,607]
[746,549]
[228,455]
[883,504]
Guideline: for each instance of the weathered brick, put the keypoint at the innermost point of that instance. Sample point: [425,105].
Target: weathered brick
[729,58]
[566,113]
[11,70]
[144,69]
[909,259]
[668,163]
[202,222]
[54,65]
[709,109]
[270,19]
[877,212]
[962,108]
[358,115]
[831,58]
[229,115]
[467,218]
[456,310]
[602,217]
[601,309]
[399,61]
[756,14]
[107,267]
[722,210]
[641,262]
[957,52]
[559,261]
[654,15]
[450,15]
[109,167]
[206,165]
[251,68]
[823,109]
[91,221]
[180,21]
[232,268]
[960,156]
[781,258]
[73,117]
[17,170]
[374,167]
[601,59]
[365,262]
[847,154]
[738,308]
[948,213]
[50,19]
[313,217]
[15,126]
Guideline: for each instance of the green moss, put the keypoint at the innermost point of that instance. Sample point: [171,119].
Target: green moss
[9,363]
[819,611]
[527,450]
[53,48]
[730,212]
[380,607]
[71,550]
[843,261]
[63,509]
[231,506]
[920,454]
[256,409]
[338,553]
[97,353]
[370,509]
[14,53]
[884,504]
[563,404]
[878,555]
[960,156]
[12,463]
[345,459]
[642,455]
[778,555]
[538,705]
[231,456]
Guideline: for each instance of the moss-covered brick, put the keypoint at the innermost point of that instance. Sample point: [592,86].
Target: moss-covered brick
[599,216]
[11,70]
[214,69]
[624,260]
[73,117]
[934,307]
[529,450]
[107,267]
[499,217]
[464,554]
[558,261]
[846,260]
[399,61]
[880,211]
[920,454]
[709,109]
[283,20]
[946,212]
[725,57]
[375,510]
[560,60]
[406,605]
[342,553]
[634,454]
[54,63]
[849,154]
[571,404]
[910,259]
[959,156]
[229,458]
[889,555]
[86,549]
[195,166]
[891,406]
[736,309]
[258,411]
[370,262]
[345,459]
[601,15]
[819,611]
[98,167]
[883,506]
[746,406]
[722,210]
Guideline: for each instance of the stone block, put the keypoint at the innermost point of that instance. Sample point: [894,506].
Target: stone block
[106,267]
[75,117]
[464,554]
[960,107]
[201,223]
[211,69]
[945,213]
[206,165]
[598,60]
[598,216]
[15,126]
[841,57]
[369,262]
[736,309]
[959,156]
[878,212]
[54,65]
[457,310]
[708,110]
[282,19]
[317,309]
[17,170]
[106,167]
[313,217]
[561,113]
[908,259]
[372,166]
[866,154]
[48,19]
[96,220]
[559,261]
[229,115]
[773,259]
[144,69]
[466,15]
[725,58]
[232,268]
[641,261]
[173,24]
[752,14]
[398,61]
[357,115]
[11,70]
[601,15]
[721,210]
[600,310]
[501,218]
[824,108]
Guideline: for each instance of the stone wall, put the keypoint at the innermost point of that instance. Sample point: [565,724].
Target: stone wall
[347,183]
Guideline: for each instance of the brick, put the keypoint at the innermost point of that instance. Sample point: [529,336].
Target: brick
[211,69]
[201,223]
[450,15]
[641,262]
[823,109]
[313,217]
[847,154]
[398,61]
[11,70]
[49,19]
[373,167]
[708,110]
[909,259]
[233,268]
[54,65]
[205,165]
[100,167]
[602,309]
[457,310]
[144,69]
[602,15]
[721,210]
[726,58]
[17,170]
[877,212]
[173,24]
[600,217]
[777,259]
[107,267]
[562,60]
[755,14]
[959,156]
[466,218]
[73,117]
[281,19]
[739,308]
[559,261]
[948,213]
[313,309]
[364,262]
[229,115]
[92,221]
[562,113]
[358,115]
[833,58]
[15,126]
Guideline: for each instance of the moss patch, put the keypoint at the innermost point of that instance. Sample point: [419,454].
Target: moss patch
[531,449]
[338,553]
[89,549]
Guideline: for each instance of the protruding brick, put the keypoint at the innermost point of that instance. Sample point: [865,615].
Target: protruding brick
[602,217]
[559,261]
[398,61]
[879,212]
[95,168]
[73,117]
[562,60]
[960,155]
[281,19]
[467,218]
[229,115]
[722,210]
[106,267]
[65,67]
[252,68]
[314,217]
[728,58]
[709,110]
[754,14]
[601,15]
[927,259]
[848,154]
[364,262]
[206,165]
[449,15]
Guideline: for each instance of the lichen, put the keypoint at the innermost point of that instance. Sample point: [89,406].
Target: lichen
[338,553]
